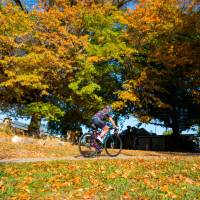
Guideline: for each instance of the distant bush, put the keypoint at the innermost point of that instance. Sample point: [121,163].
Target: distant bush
[168,132]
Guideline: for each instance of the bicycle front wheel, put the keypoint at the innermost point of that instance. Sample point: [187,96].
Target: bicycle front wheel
[113,145]
[86,146]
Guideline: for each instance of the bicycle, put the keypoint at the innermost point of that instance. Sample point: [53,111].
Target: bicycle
[89,145]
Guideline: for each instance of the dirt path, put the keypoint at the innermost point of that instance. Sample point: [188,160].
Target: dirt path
[68,158]
[77,158]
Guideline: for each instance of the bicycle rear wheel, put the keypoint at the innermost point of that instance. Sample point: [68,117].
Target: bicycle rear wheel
[113,145]
[86,145]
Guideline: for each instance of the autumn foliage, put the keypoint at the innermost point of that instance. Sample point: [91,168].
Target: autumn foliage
[70,57]
[162,77]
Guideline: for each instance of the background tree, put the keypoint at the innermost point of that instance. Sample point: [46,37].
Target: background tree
[162,77]
[98,69]
[37,56]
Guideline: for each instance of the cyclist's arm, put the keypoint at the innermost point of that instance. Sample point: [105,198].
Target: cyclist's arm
[112,121]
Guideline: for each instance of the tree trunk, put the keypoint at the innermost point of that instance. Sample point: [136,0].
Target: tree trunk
[175,123]
[34,127]
[51,3]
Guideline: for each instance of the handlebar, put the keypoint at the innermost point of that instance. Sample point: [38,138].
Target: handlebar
[114,128]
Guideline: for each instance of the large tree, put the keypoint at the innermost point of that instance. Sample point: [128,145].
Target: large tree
[98,69]
[67,57]
[38,53]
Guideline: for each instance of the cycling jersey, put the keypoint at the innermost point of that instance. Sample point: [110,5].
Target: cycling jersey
[102,115]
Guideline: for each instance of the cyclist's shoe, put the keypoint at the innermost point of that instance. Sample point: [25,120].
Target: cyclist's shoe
[99,148]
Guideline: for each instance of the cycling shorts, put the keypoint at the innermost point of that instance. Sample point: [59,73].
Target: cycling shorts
[98,122]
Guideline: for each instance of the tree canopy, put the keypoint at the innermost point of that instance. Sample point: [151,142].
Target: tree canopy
[67,58]
[163,76]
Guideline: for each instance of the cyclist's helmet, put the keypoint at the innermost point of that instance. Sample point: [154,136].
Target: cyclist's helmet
[108,108]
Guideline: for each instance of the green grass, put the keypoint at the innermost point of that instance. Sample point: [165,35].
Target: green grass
[175,178]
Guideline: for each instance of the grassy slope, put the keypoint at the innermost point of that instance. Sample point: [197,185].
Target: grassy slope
[9,150]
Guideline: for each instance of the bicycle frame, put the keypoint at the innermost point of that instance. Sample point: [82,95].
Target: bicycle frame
[108,134]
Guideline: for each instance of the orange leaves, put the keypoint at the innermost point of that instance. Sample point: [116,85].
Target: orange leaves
[95,182]
[90,194]
[1,185]
[94,59]
[73,167]
[76,180]
[126,196]
[152,17]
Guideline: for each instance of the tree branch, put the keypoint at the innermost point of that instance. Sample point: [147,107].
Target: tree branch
[19,3]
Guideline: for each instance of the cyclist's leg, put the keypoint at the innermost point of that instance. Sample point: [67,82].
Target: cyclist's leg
[101,124]
[105,130]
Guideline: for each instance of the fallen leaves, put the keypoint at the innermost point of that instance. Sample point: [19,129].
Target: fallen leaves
[126,196]
[105,179]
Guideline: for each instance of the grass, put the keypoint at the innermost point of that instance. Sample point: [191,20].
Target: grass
[174,178]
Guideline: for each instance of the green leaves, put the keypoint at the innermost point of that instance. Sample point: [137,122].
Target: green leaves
[47,110]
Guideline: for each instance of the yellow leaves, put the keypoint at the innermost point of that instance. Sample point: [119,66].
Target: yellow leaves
[118,105]
[10,73]
[14,21]
[93,59]
[128,96]
[112,176]
[171,49]
[84,180]
[95,182]
[154,17]
[58,185]
[122,19]
[6,43]
[73,167]
[164,188]
[33,81]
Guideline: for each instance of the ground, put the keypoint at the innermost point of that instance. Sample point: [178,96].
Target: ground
[132,175]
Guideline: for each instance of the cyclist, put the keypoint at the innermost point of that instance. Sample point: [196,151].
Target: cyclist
[100,118]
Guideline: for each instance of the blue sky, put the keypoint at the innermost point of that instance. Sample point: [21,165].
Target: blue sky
[132,121]
[128,122]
